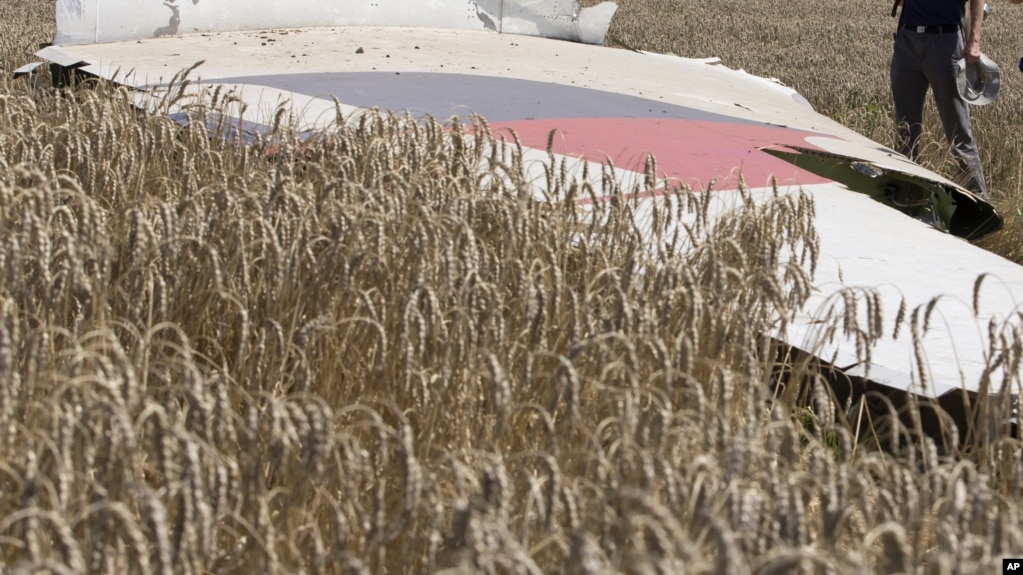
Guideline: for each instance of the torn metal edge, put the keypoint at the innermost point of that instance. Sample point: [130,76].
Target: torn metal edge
[945,206]
[55,55]
[27,69]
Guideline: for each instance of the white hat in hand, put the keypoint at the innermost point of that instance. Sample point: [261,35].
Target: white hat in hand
[978,83]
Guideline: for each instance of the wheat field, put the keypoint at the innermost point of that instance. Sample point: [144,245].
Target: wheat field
[365,355]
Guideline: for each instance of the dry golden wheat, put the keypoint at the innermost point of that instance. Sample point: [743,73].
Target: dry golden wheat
[374,352]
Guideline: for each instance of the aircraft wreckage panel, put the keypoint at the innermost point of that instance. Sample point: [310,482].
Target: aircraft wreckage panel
[92,21]
[705,124]
[907,264]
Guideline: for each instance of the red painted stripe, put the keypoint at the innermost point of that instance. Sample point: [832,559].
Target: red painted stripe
[693,152]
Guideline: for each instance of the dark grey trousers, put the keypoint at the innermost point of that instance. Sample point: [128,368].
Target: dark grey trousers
[920,61]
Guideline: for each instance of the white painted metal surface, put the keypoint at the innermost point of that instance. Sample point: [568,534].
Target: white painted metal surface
[93,21]
[908,265]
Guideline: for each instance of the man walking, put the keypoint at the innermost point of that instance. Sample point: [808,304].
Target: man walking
[928,42]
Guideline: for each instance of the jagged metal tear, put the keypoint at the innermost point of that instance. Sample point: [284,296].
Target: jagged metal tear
[947,208]
[95,21]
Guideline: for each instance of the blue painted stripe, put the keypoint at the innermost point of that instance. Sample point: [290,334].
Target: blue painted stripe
[497,99]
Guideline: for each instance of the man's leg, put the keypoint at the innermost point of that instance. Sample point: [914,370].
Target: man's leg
[909,90]
[955,112]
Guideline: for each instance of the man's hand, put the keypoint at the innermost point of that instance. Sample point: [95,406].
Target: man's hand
[973,51]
